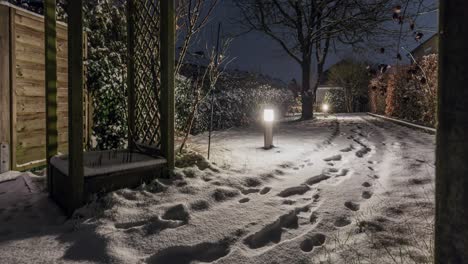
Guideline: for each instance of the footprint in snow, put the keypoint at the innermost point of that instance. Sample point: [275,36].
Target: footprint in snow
[315,240]
[252,182]
[352,206]
[366,194]
[199,205]
[342,221]
[272,232]
[422,181]
[265,190]
[249,191]
[244,200]
[296,190]
[333,158]
[331,170]
[348,149]
[177,212]
[342,172]
[203,252]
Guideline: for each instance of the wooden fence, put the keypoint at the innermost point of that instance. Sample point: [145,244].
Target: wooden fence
[22,89]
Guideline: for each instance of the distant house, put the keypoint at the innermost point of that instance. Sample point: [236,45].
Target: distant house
[324,87]
[430,46]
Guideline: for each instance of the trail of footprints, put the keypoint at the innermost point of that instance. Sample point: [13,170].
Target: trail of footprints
[273,233]
[268,235]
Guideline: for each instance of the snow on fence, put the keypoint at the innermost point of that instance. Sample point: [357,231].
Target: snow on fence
[22,89]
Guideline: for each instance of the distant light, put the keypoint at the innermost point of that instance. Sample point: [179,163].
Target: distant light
[325,107]
[268,115]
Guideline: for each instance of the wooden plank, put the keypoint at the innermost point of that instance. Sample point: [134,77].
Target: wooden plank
[29,105]
[37,75]
[12,90]
[5,88]
[26,56]
[35,24]
[4,74]
[167,46]
[75,102]
[35,138]
[50,42]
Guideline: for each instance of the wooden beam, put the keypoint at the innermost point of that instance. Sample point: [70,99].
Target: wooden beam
[131,73]
[5,88]
[75,102]
[13,116]
[167,51]
[451,223]
[50,39]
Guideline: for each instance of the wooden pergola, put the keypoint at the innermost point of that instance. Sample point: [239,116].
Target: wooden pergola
[150,84]
[451,232]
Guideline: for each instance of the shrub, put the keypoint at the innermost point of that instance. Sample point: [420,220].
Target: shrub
[335,98]
[378,94]
[105,23]
[408,92]
[238,100]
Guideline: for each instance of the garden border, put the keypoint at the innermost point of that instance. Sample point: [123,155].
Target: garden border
[429,130]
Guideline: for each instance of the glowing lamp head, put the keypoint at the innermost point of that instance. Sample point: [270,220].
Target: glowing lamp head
[268,115]
[325,107]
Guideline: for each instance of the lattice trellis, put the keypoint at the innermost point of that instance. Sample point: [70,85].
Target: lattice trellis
[145,42]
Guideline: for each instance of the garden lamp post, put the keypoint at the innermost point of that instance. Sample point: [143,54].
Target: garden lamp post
[268,118]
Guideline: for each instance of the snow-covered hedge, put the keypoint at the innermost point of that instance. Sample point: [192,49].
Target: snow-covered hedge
[409,92]
[378,94]
[106,68]
[238,98]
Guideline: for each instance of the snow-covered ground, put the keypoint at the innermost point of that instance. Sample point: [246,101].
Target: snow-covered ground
[339,189]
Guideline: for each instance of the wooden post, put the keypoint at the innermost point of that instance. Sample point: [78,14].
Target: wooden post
[131,73]
[451,224]
[75,103]
[167,51]
[5,88]
[13,130]
[50,83]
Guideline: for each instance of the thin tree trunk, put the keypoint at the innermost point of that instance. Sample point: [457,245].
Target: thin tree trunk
[307,95]
[189,125]
[451,225]
[321,56]
[348,100]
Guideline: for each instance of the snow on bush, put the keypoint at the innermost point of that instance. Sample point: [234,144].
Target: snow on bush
[106,68]
[238,100]
[378,93]
[408,92]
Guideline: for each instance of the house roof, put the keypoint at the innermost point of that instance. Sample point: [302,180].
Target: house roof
[436,35]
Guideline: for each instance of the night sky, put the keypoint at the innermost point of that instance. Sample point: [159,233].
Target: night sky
[258,53]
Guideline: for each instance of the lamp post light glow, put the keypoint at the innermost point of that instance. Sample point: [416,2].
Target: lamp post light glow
[268,118]
[325,108]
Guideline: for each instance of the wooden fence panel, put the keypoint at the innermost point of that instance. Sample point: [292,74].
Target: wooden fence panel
[25,58]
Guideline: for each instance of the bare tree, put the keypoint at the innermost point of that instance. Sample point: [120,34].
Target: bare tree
[306,30]
[192,16]
[204,81]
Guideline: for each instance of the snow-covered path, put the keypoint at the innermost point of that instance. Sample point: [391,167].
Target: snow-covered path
[340,189]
